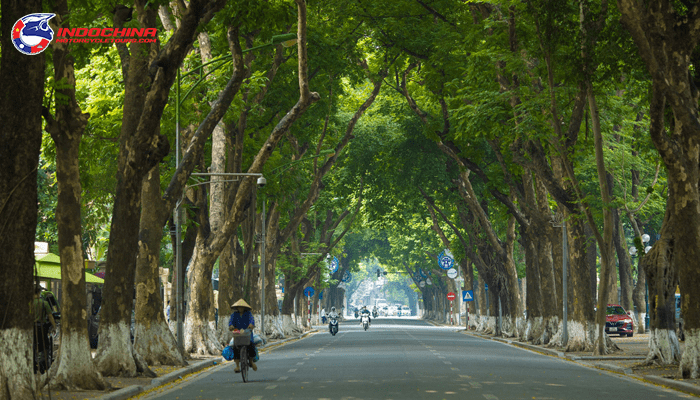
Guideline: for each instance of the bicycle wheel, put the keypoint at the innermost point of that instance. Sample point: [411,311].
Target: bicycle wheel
[244,363]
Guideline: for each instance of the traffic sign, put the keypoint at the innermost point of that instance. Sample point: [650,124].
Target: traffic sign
[347,277]
[486,286]
[467,295]
[446,260]
[451,273]
[421,284]
[428,281]
[309,291]
[333,267]
[320,295]
[451,296]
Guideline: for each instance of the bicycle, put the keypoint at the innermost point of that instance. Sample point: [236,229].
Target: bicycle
[241,341]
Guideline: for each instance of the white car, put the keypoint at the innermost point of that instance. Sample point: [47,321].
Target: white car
[405,311]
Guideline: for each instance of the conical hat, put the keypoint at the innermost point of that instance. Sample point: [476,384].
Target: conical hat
[241,303]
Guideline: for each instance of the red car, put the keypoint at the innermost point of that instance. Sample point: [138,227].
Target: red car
[618,321]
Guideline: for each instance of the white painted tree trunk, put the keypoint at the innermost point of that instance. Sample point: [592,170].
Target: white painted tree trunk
[200,338]
[157,344]
[16,369]
[690,362]
[581,337]
[116,355]
[663,347]
[75,368]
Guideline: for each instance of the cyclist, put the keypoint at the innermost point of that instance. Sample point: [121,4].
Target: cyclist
[242,318]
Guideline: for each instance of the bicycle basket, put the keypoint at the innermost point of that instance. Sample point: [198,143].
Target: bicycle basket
[241,339]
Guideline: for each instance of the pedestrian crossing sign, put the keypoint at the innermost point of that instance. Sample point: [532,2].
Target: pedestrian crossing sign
[467,295]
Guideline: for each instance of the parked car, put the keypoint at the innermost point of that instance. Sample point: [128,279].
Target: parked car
[618,321]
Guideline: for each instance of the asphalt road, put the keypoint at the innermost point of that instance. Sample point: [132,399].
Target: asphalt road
[401,358]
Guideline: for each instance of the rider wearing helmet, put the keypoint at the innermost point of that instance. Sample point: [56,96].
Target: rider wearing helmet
[365,311]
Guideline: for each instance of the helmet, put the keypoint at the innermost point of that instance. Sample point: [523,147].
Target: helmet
[333,309]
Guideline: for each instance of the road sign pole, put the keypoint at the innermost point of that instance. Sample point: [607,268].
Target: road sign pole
[309,297]
[451,321]
[466,325]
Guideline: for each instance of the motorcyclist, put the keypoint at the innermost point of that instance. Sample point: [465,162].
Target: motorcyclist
[331,316]
[374,312]
[366,312]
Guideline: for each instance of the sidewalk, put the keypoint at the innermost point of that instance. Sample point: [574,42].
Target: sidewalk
[627,361]
[126,388]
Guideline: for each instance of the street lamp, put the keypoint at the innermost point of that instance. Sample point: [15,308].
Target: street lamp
[633,253]
[179,295]
[286,40]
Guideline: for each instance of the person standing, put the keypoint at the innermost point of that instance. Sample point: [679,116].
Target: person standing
[43,321]
[323,315]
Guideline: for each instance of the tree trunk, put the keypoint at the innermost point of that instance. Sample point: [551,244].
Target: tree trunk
[660,266]
[20,133]
[152,336]
[669,49]
[580,302]
[624,266]
[75,369]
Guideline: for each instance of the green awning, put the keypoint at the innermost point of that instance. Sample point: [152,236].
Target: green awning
[49,267]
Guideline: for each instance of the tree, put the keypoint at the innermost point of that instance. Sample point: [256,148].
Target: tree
[666,36]
[75,368]
[199,338]
[20,132]
[149,74]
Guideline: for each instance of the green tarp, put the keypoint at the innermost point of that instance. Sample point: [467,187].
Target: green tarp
[49,267]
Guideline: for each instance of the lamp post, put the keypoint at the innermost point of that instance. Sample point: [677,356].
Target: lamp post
[558,222]
[179,298]
[286,40]
[633,253]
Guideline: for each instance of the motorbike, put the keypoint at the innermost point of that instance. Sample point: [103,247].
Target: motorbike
[374,314]
[365,321]
[333,325]
[356,314]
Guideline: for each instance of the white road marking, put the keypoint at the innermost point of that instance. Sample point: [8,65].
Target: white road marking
[282,378]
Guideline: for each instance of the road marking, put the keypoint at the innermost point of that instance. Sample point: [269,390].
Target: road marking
[282,378]
[306,358]
[448,362]
[475,385]
[256,398]
[271,387]
[300,363]
[490,397]
[455,369]
[465,376]
[441,357]
[292,370]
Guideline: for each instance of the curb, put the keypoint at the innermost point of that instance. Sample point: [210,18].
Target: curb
[672,383]
[131,391]
[665,382]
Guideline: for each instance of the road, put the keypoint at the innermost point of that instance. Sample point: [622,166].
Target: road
[401,358]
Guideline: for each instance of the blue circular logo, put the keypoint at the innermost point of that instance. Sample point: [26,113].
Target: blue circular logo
[32,34]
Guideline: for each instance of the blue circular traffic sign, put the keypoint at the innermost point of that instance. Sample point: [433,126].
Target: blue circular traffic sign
[309,291]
